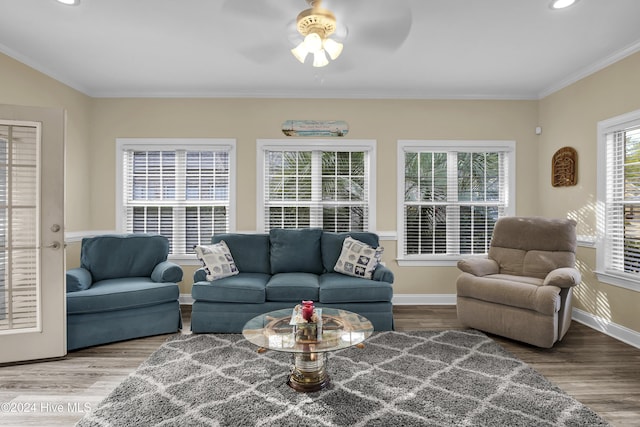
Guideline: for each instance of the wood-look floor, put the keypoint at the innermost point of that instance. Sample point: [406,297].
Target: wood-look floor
[599,371]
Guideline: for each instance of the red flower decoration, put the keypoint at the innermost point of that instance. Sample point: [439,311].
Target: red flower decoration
[307,310]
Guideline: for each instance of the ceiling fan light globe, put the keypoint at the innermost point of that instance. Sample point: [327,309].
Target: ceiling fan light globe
[333,48]
[313,42]
[300,52]
[320,59]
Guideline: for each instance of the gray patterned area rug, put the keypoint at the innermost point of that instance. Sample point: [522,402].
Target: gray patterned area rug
[449,378]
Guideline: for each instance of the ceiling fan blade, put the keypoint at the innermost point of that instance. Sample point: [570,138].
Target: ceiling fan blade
[387,38]
[255,10]
[373,24]
[264,53]
[257,29]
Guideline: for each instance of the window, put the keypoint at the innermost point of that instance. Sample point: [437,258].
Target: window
[618,248]
[450,195]
[316,183]
[180,188]
[20,210]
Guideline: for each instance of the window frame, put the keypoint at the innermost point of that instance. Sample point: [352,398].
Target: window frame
[263,145]
[603,272]
[175,144]
[466,146]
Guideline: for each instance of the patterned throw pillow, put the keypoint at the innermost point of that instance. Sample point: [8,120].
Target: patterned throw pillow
[358,259]
[217,260]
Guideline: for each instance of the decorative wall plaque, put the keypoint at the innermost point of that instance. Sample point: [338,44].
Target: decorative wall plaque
[331,128]
[564,167]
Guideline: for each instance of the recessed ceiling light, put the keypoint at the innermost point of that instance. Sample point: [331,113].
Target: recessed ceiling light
[70,2]
[561,4]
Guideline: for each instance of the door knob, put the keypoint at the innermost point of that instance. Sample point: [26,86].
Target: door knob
[54,245]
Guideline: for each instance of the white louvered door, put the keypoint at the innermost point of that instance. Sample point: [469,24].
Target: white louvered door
[32,265]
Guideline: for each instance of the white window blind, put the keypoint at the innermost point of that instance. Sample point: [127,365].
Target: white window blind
[182,191]
[19,240]
[622,207]
[451,196]
[315,187]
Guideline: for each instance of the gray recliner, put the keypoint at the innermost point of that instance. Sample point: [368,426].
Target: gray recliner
[523,289]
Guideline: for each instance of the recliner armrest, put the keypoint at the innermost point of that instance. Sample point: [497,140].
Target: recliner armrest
[167,272]
[479,266]
[78,279]
[382,273]
[564,277]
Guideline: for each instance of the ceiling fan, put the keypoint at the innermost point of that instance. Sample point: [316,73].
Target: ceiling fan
[269,31]
[317,25]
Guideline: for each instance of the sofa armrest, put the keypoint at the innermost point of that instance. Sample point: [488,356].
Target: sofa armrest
[382,273]
[200,275]
[167,272]
[479,266]
[563,278]
[78,279]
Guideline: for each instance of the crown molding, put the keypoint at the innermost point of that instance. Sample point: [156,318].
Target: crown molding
[591,69]
[25,60]
[335,94]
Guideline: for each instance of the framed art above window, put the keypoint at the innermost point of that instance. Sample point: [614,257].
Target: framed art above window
[450,194]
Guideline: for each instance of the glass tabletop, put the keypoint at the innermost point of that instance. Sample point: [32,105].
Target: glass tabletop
[339,329]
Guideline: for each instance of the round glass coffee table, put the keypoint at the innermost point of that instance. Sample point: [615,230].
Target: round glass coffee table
[338,329]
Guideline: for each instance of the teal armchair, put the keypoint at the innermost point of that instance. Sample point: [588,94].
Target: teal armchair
[124,288]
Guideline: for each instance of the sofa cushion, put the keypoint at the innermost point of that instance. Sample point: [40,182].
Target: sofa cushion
[128,255]
[242,288]
[337,288]
[293,287]
[250,251]
[331,245]
[540,263]
[533,246]
[296,250]
[510,261]
[535,233]
[217,260]
[121,294]
[358,259]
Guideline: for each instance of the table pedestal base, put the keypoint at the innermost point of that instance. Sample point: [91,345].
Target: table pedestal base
[308,373]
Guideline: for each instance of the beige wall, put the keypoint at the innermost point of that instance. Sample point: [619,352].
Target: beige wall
[22,85]
[569,118]
[383,120]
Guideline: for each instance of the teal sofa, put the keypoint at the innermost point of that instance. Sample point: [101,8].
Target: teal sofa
[124,288]
[280,269]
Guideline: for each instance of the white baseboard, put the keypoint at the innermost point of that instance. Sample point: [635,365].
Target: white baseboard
[607,327]
[424,299]
[185,299]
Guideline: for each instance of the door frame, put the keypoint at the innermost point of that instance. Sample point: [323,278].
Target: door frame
[50,339]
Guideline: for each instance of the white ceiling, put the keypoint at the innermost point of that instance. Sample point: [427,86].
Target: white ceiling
[467,49]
